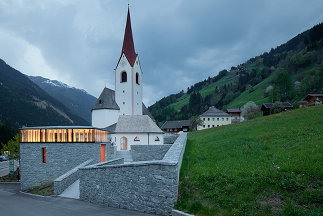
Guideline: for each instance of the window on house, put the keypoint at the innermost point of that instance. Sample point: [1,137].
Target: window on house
[124,76]
[217,119]
[222,119]
[100,101]
[227,119]
[203,119]
[136,139]
[137,78]
[208,126]
[44,154]
[212,125]
[203,126]
[213,119]
[156,138]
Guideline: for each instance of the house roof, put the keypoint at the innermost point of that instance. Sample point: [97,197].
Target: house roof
[128,47]
[106,100]
[111,128]
[59,127]
[312,95]
[212,111]
[145,111]
[176,124]
[234,110]
[270,105]
[136,124]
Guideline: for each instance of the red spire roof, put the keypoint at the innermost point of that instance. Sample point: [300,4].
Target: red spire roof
[128,47]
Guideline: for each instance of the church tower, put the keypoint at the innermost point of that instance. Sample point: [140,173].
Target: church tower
[128,76]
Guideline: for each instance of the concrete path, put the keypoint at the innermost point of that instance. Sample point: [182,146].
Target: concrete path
[14,203]
[73,191]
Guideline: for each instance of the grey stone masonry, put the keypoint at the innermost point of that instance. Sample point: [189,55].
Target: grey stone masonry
[147,186]
[148,152]
[65,180]
[60,158]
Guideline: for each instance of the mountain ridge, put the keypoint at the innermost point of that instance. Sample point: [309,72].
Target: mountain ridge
[23,103]
[77,100]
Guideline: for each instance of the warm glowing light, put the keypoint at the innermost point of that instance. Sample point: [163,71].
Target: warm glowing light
[63,135]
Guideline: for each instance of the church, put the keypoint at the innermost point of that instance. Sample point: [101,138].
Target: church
[121,111]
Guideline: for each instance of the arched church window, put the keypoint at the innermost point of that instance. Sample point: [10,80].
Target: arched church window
[137,78]
[156,138]
[124,76]
[136,139]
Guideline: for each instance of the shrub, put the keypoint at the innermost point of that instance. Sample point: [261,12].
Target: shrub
[250,110]
[277,107]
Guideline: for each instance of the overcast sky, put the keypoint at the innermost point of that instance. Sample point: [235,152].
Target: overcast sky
[179,42]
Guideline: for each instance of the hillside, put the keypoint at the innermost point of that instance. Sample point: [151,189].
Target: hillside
[286,73]
[22,102]
[267,166]
[76,100]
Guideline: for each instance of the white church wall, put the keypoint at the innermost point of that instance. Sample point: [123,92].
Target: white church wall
[102,118]
[143,139]
[153,138]
[123,89]
[137,89]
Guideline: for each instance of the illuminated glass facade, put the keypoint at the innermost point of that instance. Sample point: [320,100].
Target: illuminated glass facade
[62,135]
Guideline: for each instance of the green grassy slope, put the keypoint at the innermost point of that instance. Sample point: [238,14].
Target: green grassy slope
[267,166]
[255,96]
[184,100]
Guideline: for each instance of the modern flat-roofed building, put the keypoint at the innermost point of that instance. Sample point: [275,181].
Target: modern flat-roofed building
[48,152]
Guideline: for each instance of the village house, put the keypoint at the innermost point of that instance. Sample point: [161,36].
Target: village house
[214,117]
[235,113]
[176,126]
[313,99]
[266,107]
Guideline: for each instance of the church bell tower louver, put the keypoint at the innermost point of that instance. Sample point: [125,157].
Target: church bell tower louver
[128,76]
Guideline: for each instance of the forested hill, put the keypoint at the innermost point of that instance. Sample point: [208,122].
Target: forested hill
[285,73]
[22,102]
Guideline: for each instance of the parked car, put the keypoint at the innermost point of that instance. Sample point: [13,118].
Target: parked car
[3,158]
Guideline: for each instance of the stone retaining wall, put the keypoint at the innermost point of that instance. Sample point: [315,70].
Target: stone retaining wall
[147,186]
[64,181]
[60,158]
[148,152]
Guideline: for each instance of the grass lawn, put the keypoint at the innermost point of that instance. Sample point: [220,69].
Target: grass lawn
[267,166]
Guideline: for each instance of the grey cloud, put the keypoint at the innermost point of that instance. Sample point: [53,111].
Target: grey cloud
[179,42]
